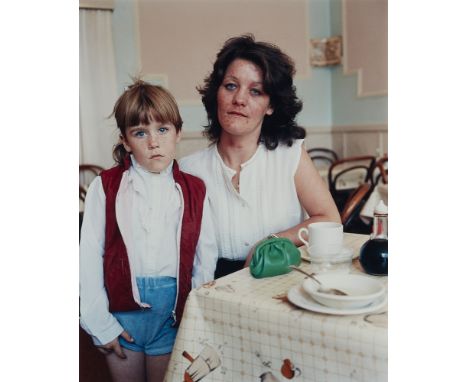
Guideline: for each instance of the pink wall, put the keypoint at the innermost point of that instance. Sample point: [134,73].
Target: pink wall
[365,34]
[179,38]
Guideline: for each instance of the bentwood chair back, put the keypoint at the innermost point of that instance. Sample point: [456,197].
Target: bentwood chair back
[87,173]
[352,208]
[82,194]
[380,171]
[346,174]
[322,157]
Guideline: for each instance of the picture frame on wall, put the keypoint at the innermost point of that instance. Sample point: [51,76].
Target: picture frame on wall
[326,51]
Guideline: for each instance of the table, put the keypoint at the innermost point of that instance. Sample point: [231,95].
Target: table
[244,329]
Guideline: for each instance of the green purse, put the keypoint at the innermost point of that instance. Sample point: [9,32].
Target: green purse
[273,257]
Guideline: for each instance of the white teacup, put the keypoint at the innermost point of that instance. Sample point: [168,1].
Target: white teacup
[325,238]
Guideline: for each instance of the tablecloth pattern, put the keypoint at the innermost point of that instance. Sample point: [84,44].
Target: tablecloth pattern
[259,336]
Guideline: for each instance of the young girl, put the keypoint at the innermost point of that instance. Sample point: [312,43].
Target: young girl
[146,240]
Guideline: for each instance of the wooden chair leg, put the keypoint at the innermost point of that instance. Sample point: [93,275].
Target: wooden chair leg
[93,366]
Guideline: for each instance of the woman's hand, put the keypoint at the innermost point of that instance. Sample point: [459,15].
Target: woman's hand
[249,256]
[252,250]
[114,345]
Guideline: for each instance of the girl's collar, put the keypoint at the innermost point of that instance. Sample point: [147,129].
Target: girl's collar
[167,171]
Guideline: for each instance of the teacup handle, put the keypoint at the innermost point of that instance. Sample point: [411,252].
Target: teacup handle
[299,235]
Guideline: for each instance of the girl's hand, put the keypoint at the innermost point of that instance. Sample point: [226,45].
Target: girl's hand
[114,345]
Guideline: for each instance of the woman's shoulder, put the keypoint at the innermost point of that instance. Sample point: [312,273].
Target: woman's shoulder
[197,160]
[295,143]
[285,157]
[284,148]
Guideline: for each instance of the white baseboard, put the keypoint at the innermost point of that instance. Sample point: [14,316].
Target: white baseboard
[348,140]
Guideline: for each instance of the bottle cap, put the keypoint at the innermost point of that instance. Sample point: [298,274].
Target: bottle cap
[381,208]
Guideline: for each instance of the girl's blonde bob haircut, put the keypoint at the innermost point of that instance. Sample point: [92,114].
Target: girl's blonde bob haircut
[143,103]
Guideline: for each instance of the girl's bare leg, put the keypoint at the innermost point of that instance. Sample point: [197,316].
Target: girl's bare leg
[156,366]
[130,369]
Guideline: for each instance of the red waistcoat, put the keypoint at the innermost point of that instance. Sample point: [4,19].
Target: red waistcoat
[117,278]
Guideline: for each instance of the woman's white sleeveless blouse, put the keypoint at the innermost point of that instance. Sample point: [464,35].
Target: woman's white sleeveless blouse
[267,201]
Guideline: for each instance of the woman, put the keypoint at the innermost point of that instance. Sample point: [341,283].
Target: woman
[259,178]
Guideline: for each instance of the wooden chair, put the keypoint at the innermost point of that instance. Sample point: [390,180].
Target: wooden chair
[82,199]
[380,171]
[92,364]
[92,169]
[353,206]
[320,155]
[82,194]
[87,173]
[358,168]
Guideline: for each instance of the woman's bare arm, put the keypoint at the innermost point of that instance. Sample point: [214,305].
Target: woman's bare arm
[314,197]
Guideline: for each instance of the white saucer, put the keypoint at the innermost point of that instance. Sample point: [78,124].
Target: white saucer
[301,299]
[305,255]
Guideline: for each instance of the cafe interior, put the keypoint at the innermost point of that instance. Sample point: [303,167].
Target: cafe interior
[282,327]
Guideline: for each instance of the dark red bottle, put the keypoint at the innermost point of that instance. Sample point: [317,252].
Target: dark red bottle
[374,252]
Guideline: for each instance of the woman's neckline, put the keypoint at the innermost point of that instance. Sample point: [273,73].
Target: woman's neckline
[236,158]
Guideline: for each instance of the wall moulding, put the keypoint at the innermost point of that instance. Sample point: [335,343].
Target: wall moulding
[97,4]
[350,140]
[365,45]
[359,128]
[194,135]
[345,128]
[345,140]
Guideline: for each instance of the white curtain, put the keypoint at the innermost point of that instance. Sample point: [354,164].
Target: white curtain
[98,88]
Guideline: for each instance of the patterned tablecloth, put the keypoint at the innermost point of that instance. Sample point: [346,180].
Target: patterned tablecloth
[239,328]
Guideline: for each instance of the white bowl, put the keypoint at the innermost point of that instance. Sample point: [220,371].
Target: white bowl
[361,290]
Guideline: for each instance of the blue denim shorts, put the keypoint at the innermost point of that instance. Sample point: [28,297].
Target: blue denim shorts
[151,329]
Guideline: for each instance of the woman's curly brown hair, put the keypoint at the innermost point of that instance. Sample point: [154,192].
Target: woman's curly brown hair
[278,71]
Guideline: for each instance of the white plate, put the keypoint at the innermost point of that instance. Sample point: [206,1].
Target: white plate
[301,299]
[305,255]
